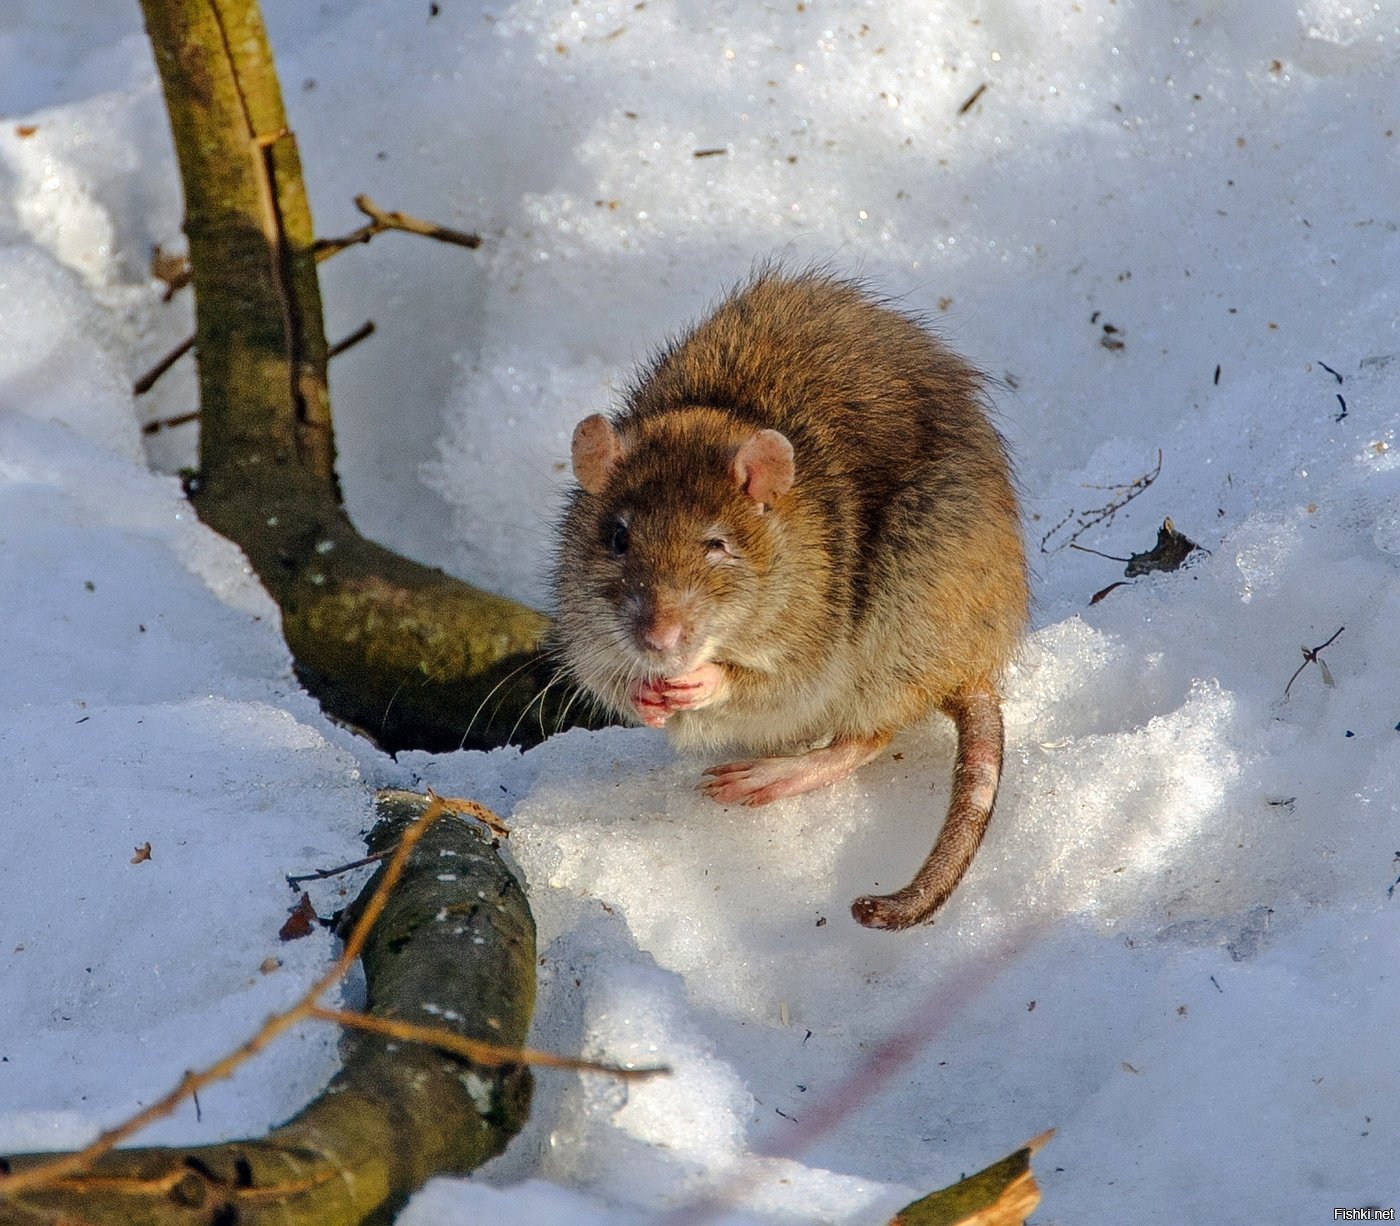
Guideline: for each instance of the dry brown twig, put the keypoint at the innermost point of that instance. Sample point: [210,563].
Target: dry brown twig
[321,874]
[488,1054]
[363,332]
[381,220]
[148,380]
[175,273]
[1313,655]
[61,1168]
[169,423]
[1122,495]
[468,808]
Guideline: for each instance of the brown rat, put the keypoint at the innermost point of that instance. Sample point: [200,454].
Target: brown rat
[801,531]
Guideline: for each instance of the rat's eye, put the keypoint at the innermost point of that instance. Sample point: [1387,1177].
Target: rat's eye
[717,549]
[618,538]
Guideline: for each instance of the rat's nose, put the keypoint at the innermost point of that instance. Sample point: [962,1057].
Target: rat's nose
[663,635]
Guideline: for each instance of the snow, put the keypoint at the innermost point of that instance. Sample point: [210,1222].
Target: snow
[1176,945]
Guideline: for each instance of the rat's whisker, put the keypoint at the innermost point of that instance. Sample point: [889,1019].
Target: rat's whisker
[491,693]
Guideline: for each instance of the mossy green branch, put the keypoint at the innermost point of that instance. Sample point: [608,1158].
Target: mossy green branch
[400,650]
[397,1113]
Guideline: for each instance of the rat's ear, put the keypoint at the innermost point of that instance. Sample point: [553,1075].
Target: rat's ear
[596,448]
[763,467]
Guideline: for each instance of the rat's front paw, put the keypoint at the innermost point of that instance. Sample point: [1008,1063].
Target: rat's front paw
[649,700]
[698,688]
[654,698]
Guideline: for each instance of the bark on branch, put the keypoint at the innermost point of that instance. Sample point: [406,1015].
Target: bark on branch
[398,649]
[397,1113]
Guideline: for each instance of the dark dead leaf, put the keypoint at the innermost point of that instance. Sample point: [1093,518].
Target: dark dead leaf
[301,921]
[1171,550]
[143,853]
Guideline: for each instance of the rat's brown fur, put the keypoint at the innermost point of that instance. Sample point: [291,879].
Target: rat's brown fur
[887,581]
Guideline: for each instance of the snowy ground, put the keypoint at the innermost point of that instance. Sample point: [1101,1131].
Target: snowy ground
[1177,945]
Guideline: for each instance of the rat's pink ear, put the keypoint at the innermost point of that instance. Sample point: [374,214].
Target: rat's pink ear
[763,467]
[596,448]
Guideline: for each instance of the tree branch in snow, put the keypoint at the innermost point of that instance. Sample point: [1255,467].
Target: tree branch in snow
[410,1100]
[398,649]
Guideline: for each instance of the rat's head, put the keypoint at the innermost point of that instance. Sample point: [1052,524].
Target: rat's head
[668,550]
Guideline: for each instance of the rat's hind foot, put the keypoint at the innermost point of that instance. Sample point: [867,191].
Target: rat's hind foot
[761,780]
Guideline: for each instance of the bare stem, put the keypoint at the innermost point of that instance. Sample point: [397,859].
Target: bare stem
[363,332]
[323,248]
[381,220]
[148,380]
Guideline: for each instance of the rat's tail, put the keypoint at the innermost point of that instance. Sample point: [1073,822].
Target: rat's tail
[977,715]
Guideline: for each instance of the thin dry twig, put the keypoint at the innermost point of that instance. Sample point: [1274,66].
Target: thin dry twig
[1104,591]
[1122,495]
[169,423]
[379,221]
[470,808]
[307,1008]
[1098,553]
[171,270]
[972,99]
[459,805]
[363,332]
[148,380]
[1312,655]
[321,874]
